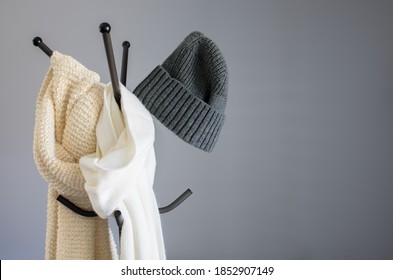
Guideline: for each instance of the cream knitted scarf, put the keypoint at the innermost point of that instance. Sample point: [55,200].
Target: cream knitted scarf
[120,175]
[67,110]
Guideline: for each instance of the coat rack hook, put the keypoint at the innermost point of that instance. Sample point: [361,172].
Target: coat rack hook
[37,41]
[105,29]
[124,64]
[175,203]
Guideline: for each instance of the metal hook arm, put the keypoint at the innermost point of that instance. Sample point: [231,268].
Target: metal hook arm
[124,63]
[105,29]
[175,203]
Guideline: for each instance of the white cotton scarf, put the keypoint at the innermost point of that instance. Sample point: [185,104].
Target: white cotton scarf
[120,175]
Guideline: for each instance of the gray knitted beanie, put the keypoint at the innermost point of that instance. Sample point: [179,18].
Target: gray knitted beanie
[188,92]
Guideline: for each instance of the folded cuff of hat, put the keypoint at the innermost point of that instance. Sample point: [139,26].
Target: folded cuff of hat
[188,116]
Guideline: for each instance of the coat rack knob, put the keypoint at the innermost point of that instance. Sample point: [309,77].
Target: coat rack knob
[36,41]
[126,44]
[105,27]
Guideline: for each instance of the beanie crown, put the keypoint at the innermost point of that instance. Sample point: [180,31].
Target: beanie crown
[188,92]
[198,64]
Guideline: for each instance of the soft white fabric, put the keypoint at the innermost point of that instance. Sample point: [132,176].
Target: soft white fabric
[120,175]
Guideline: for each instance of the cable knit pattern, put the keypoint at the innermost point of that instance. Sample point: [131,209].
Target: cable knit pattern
[67,111]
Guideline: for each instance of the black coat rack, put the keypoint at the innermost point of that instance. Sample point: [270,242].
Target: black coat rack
[105,29]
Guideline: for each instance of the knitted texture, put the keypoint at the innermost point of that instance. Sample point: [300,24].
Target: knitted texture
[188,92]
[67,110]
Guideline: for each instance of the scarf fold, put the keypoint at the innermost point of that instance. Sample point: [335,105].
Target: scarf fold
[67,111]
[120,174]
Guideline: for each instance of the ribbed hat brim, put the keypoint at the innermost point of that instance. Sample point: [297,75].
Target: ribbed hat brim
[189,117]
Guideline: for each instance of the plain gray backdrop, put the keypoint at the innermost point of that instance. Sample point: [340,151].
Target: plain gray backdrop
[303,168]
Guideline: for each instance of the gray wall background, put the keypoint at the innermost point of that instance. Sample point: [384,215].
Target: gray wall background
[303,166]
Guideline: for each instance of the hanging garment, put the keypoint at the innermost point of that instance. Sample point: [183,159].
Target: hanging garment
[120,175]
[67,111]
